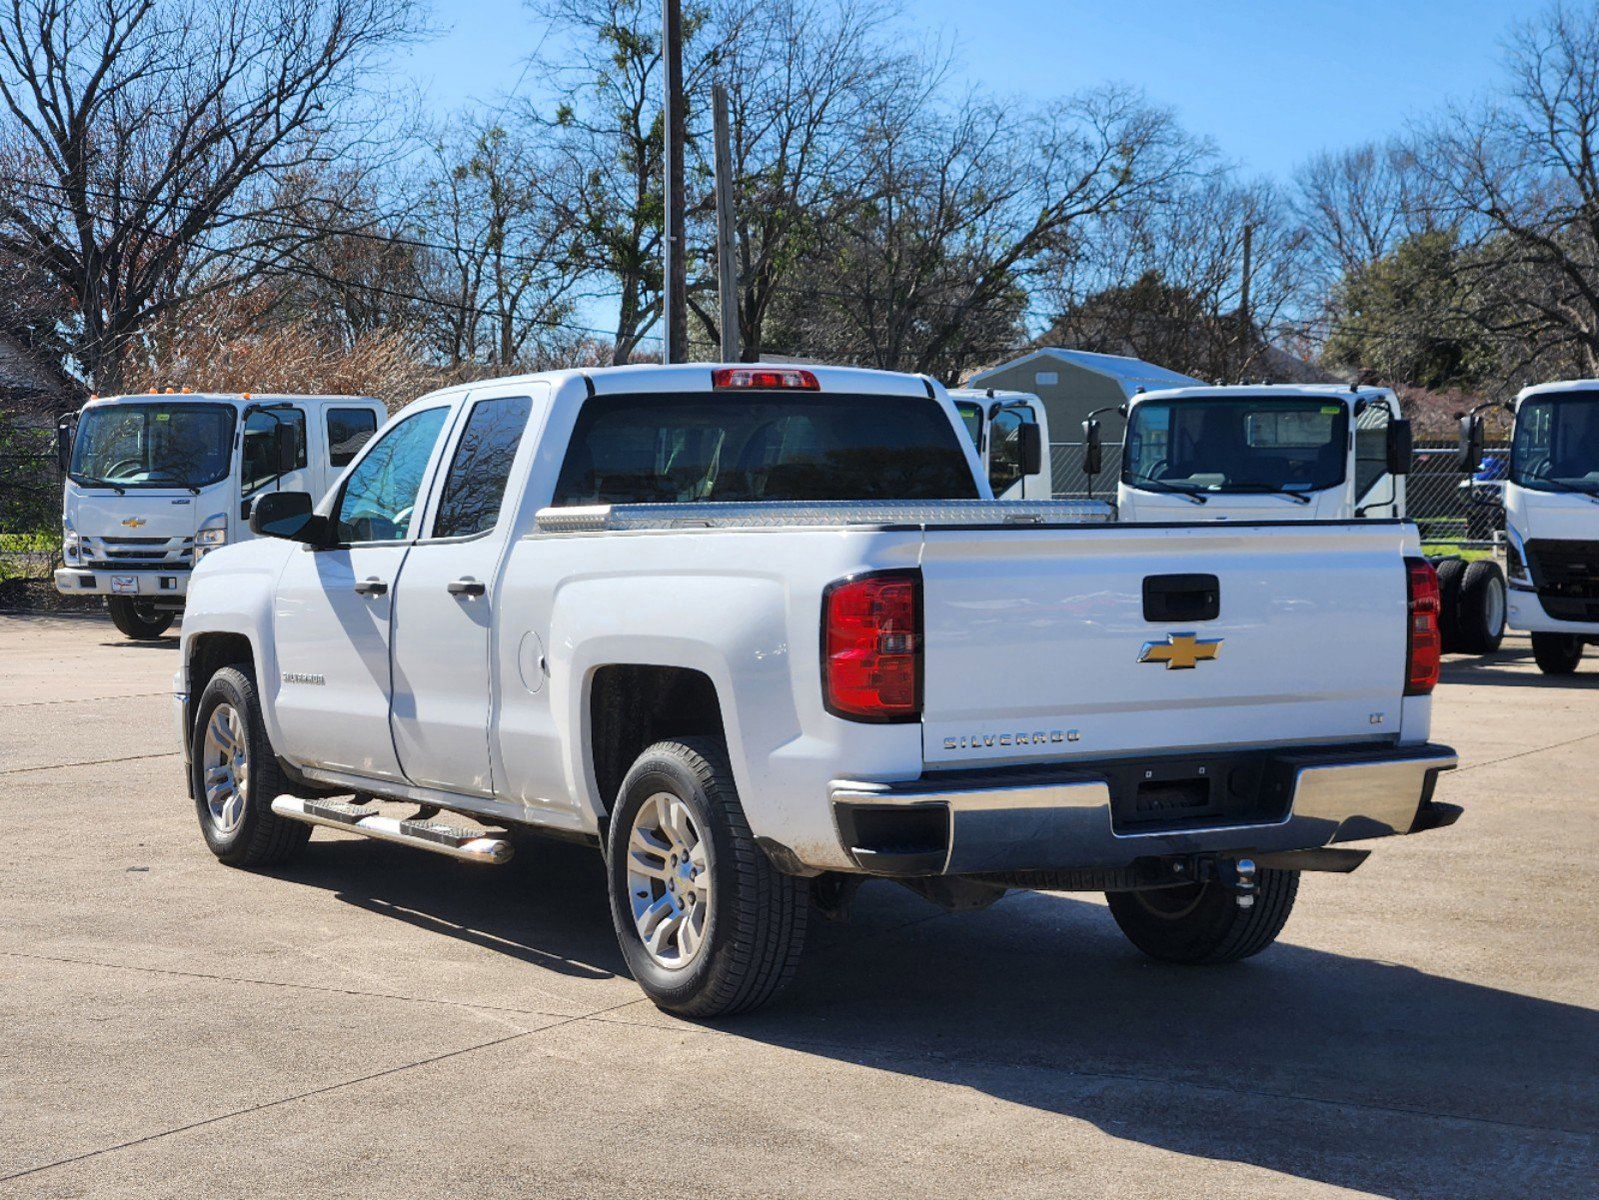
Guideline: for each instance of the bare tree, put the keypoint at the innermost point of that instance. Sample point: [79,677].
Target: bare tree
[1357,205]
[1165,281]
[1520,178]
[139,140]
[972,206]
[801,82]
[508,265]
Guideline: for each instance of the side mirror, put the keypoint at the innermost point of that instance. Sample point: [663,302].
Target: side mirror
[65,429]
[1470,443]
[287,444]
[288,515]
[1401,446]
[1030,444]
[1093,449]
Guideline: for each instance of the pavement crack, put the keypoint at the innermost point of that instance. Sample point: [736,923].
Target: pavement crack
[82,700]
[93,762]
[1525,753]
[216,977]
[309,1093]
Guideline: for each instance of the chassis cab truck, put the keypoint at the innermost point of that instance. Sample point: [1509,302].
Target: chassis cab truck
[760,633]
[1011,433]
[155,482]
[1551,501]
[1289,453]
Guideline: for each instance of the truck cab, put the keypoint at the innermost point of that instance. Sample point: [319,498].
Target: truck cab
[156,481]
[1263,453]
[1551,503]
[1011,433]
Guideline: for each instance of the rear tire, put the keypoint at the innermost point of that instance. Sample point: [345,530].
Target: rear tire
[1557,653]
[1202,923]
[1451,573]
[236,777]
[678,821]
[1480,615]
[140,620]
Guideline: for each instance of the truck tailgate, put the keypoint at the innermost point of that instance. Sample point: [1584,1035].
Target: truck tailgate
[1034,639]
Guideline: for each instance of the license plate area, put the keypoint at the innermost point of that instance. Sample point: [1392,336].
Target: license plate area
[1199,793]
[125,585]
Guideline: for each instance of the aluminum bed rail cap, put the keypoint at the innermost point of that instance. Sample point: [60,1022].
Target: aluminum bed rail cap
[779,514]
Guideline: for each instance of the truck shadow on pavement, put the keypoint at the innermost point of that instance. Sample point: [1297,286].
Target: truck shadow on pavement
[1324,1067]
[1514,667]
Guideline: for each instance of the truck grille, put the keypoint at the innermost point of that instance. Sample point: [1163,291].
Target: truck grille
[1566,574]
[135,553]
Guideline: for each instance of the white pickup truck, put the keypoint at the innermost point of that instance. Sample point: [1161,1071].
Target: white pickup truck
[760,633]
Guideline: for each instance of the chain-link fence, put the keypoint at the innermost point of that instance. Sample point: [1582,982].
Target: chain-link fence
[30,506]
[1450,507]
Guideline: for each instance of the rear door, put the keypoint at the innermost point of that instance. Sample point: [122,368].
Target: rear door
[1042,644]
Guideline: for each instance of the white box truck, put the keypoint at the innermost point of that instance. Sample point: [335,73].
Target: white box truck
[156,481]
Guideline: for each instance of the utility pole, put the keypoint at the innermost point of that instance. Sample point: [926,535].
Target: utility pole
[674,282]
[1246,329]
[726,268]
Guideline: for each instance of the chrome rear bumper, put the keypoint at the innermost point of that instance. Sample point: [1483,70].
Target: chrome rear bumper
[1096,815]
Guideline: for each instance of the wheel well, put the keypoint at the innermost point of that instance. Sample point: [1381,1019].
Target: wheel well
[632,707]
[208,654]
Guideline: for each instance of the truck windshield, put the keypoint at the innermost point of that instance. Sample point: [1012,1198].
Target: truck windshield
[763,446]
[153,445]
[1253,444]
[1556,447]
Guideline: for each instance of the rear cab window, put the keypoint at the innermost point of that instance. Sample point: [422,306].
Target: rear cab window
[348,430]
[752,446]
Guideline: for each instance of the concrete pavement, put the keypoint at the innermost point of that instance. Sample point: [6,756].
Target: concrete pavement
[372,1020]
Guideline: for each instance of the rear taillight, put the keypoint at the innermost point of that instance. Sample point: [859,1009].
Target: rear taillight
[764,379]
[1424,642]
[872,647]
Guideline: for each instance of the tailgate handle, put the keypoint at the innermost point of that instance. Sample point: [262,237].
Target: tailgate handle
[1181,598]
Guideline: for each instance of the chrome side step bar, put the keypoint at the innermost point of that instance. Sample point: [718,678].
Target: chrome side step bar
[469,845]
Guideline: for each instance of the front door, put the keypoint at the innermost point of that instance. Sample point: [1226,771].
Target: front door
[443,684]
[332,611]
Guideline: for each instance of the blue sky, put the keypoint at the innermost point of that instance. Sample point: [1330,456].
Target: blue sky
[1269,83]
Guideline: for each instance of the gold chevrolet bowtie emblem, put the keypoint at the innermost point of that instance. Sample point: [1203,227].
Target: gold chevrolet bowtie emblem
[135,522]
[1181,651]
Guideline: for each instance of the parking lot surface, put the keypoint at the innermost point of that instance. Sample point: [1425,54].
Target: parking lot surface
[374,1021]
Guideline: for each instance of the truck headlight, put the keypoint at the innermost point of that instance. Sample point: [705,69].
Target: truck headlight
[212,536]
[71,547]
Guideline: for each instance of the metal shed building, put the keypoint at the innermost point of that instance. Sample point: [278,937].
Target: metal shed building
[1072,383]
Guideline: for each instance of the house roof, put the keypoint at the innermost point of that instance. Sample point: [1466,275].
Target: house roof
[1129,372]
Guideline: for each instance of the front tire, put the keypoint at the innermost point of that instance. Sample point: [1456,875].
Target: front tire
[1201,922]
[1480,615]
[707,924]
[140,620]
[236,777]
[1557,653]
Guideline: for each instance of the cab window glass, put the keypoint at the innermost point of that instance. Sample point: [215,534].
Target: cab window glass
[1371,447]
[1005,450]
[475,486]
[260,454]
[348,430]
[972,417]
[380,495]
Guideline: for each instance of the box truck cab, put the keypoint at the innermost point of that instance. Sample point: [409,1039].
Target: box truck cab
[1551,501]
[155,481]
[1283,452]
[1011,433]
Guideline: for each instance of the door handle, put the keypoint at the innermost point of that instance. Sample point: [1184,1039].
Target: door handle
[468,587]
[372,586]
